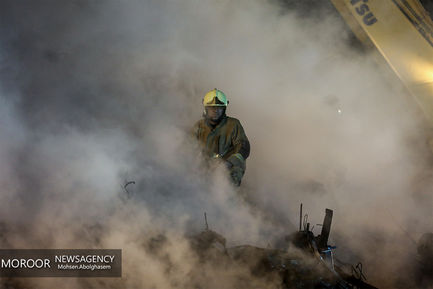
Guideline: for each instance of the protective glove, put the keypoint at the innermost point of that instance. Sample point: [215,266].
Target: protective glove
[236,174]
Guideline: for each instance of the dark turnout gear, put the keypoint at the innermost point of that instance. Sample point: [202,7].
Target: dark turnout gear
[227,141]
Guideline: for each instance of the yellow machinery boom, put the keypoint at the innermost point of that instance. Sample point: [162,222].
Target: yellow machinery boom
[402,31]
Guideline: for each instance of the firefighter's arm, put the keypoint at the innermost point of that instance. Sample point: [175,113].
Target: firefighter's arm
[195,130]
[241,147]
[241,151]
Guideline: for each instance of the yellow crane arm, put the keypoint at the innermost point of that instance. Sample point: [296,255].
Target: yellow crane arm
[402,31]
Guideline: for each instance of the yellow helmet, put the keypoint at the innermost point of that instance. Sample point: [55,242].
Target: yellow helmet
[215,97]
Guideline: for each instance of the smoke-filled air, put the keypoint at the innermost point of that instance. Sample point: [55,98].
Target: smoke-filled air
[98,94]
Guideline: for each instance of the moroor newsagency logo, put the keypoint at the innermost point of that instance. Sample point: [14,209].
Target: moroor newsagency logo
[24,263]
[60,263]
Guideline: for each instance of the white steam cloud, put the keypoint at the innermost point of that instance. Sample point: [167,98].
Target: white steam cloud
[98,93]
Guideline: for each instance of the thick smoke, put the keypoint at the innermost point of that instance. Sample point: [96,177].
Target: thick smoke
[98,93]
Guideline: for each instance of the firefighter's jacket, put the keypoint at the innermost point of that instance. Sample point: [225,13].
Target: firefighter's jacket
[228,141]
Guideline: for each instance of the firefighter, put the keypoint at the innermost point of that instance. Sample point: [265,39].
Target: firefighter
[221,136]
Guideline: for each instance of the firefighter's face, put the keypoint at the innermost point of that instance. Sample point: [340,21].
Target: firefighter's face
[214,112]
